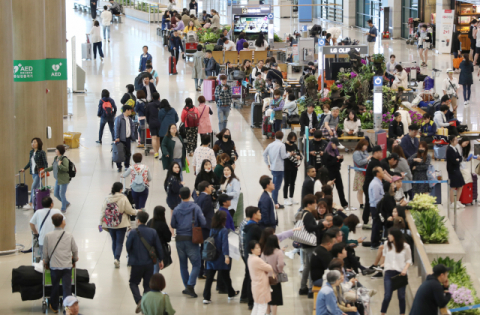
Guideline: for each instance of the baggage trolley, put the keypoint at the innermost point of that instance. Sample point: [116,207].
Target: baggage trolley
[191,43]
[47,282]
[412,70]
[237,93]
[148,140]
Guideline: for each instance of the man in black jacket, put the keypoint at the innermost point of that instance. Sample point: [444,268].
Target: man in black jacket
[316,147]
[151,115]
[433,293]
[204,201]
[309,183]
[252,232]
[389,163]
[322,257]
[308,119]
[93,9]
[374,162]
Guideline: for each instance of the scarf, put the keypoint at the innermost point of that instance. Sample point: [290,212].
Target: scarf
[331,151]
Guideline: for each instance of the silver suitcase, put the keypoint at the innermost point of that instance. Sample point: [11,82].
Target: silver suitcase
[87,51]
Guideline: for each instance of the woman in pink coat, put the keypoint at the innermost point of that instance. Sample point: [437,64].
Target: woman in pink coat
[259,271]
[204,126]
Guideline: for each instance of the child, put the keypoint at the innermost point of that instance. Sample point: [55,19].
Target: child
[428,129]
[277,105]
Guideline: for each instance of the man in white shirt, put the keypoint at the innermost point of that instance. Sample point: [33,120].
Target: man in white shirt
[228,45]
[106,17]
[41,222]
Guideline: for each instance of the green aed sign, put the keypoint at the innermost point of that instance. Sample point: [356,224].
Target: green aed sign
[39,70]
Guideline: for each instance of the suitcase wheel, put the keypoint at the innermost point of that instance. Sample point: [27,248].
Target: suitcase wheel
[44,307]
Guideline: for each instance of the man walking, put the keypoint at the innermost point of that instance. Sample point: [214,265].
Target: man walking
[375,194]
[204,201]
[41,223]
[266,204]
[59,255]
[374,162]
[274,156]
[223,97]
[143,59]
[144,250]
[93,9]
[106,17]
[371,37]
[124,133]
[184,216]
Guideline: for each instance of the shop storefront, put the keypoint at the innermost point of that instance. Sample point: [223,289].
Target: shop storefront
[464,14]
[368,10]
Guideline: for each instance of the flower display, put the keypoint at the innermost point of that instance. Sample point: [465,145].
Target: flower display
[416,117]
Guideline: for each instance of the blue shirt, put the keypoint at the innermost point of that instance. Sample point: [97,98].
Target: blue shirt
[373,31]
[327,302]
[274,155]
[229,224]
[375,192]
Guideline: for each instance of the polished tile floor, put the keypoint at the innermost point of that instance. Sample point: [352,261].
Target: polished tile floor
[96,175]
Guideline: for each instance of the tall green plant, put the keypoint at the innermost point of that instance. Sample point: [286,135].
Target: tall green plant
[431,226]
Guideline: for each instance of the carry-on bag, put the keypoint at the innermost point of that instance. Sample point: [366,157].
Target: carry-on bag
[267,127]
[209,90]
[87,50]
[118,152]
[466,197]
[172,65]
[41,193]
[302,236]
[440,152]
[21,192]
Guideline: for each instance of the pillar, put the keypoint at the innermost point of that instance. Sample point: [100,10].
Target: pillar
[395,18]
[7,128]
[30,93]
[349,12]
[55,27]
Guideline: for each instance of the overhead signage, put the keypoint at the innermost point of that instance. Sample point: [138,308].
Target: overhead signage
[251,10]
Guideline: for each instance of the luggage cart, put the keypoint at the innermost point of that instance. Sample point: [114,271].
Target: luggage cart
[191,43]
[237,93]
[412,70]
[148,140]
[47,282]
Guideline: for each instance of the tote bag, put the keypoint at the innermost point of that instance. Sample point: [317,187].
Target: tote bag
[303,236]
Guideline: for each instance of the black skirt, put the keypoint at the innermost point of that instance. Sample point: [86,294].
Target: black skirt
[277,296]
[456,178]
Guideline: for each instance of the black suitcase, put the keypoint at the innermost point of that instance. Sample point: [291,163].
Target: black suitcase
[21,192]
[256,115]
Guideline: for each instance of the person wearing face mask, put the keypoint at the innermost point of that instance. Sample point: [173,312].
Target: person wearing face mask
[424,40]
[206,173]
[225,144]
[419,163]
[202,153]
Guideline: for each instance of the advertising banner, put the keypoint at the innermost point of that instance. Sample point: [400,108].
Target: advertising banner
[444,31]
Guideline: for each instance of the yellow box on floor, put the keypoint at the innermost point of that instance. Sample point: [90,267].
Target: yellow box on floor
[72,139]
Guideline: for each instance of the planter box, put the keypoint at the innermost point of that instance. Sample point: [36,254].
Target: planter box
[143,16]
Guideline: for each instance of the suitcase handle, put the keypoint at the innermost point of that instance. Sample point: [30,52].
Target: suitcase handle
[20,177]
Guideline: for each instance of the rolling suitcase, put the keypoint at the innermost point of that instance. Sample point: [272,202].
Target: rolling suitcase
[256,115]
[267,127]
[466,197]
[209,90]
[40,194]
[172,65]
[165,39]
[87,50]
[21,192]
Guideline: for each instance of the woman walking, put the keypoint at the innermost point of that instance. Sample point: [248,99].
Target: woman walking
[230,185]
[96,39]
[222,263]
[333,160]
[259,271]
[116,229]
[360,160]
[172,184]
[204,124]
[291,166]
[159,224]
[198,70]
[60,167]
[419,163]
[190,118]
[273,255]
[36,162]
[173,149]
[139,185]
[202,153]
[454,160]
[398,257]
[465,79]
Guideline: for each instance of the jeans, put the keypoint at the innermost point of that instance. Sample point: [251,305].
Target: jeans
[103,122]
[307,257]
[105,29]
[318,282]
[165,25]
[140,198]
[277,125]
[467,91]
[387,281]
[66,276]
[277,181]
[179,161]
[197,83]
[97,46]
[138,273]
[35,185]
[118,236]
[376,228]
[189,251]
[223,276]
[247,285]
[290,178]
[59,193]
[223,112]
[128,153]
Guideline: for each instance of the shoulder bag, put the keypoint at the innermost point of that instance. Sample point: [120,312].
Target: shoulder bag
[44,219]
[197,236]
[303,236]
[282,277]
[150,249]
[47,266]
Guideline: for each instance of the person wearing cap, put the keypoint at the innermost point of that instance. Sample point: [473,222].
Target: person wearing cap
[224,203]
[409,142]
[205,202]
[71,305]
[395,129]
[450,88]
[428,129]
[267,205]
[419,163]
[308,119]
[375,194]
[441,120]
[275,74]
[186,213]
[333,162]
[377,154]
[274,156]
[432,293]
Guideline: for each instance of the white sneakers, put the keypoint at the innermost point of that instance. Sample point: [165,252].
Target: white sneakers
[289,202]
[459,205]
[207,302]
[466,103]
[340,146]
[27,207]
[116,263]
[290,254]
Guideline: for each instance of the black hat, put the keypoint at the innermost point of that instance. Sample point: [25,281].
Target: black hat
[396,114]
[413,127]
[224,197]
[376,148]
[334,141]
[394,156]
[439,269]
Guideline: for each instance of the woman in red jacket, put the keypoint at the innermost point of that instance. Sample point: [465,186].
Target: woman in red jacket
[191,118]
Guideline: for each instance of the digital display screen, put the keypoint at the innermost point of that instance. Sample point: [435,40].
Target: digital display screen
[250,24]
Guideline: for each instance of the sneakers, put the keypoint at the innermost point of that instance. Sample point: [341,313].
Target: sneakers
[290,255]
[303,291]
[293,201]
[288,202]
[367,227]
[367,272]
[300,269]
[116,263]
[190,291]
[99,142]
[378,275]
[27,207]
[460,205]
[340,146]
[207,301]
[156,155]
[232,297]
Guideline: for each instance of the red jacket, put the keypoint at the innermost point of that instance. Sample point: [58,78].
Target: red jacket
[184,115]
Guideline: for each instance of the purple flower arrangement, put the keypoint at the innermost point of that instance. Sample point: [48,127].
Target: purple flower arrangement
[415,117]
[461,295]
[353,74]
[364,61]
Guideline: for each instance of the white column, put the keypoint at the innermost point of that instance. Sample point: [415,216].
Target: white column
[396,18]
[349,12]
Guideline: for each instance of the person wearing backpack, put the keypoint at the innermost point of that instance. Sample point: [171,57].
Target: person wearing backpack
[106,111]
[191,118]
[129,95]
[60,168]
[140,183]
[218,243]
[151,114]
[115,218]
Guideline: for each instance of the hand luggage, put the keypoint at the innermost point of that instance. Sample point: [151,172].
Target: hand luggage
[440,152]
[165,39]
[21,192]
[466,197]
[209,90]
[118,152]
[474,187]
[267,127]
[87,51]
[412,72]
[172,65]
[256,115]
[41,193]
[428,83]
[437,192]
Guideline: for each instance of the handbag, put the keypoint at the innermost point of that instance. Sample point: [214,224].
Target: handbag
[303,236]
[197,236]
[167,255]
[293,119]
[47,266]
[272,281]
[282,277]
[399,282]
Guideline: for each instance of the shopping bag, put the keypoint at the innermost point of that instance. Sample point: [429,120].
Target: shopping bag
[187,166]
[233,246]
[456,62]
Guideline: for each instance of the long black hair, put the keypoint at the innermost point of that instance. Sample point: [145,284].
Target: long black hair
[260,40]
[466,149]
[270,245]
[158,215]
[322,175]
[165,105]
[229,180]
[116,187]
[208,176]
[221,133]
[354,115]
[188,103]
[171,174]
[398,239]
[219,220]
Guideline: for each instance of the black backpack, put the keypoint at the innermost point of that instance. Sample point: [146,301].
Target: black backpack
[209,252]
[72,169]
